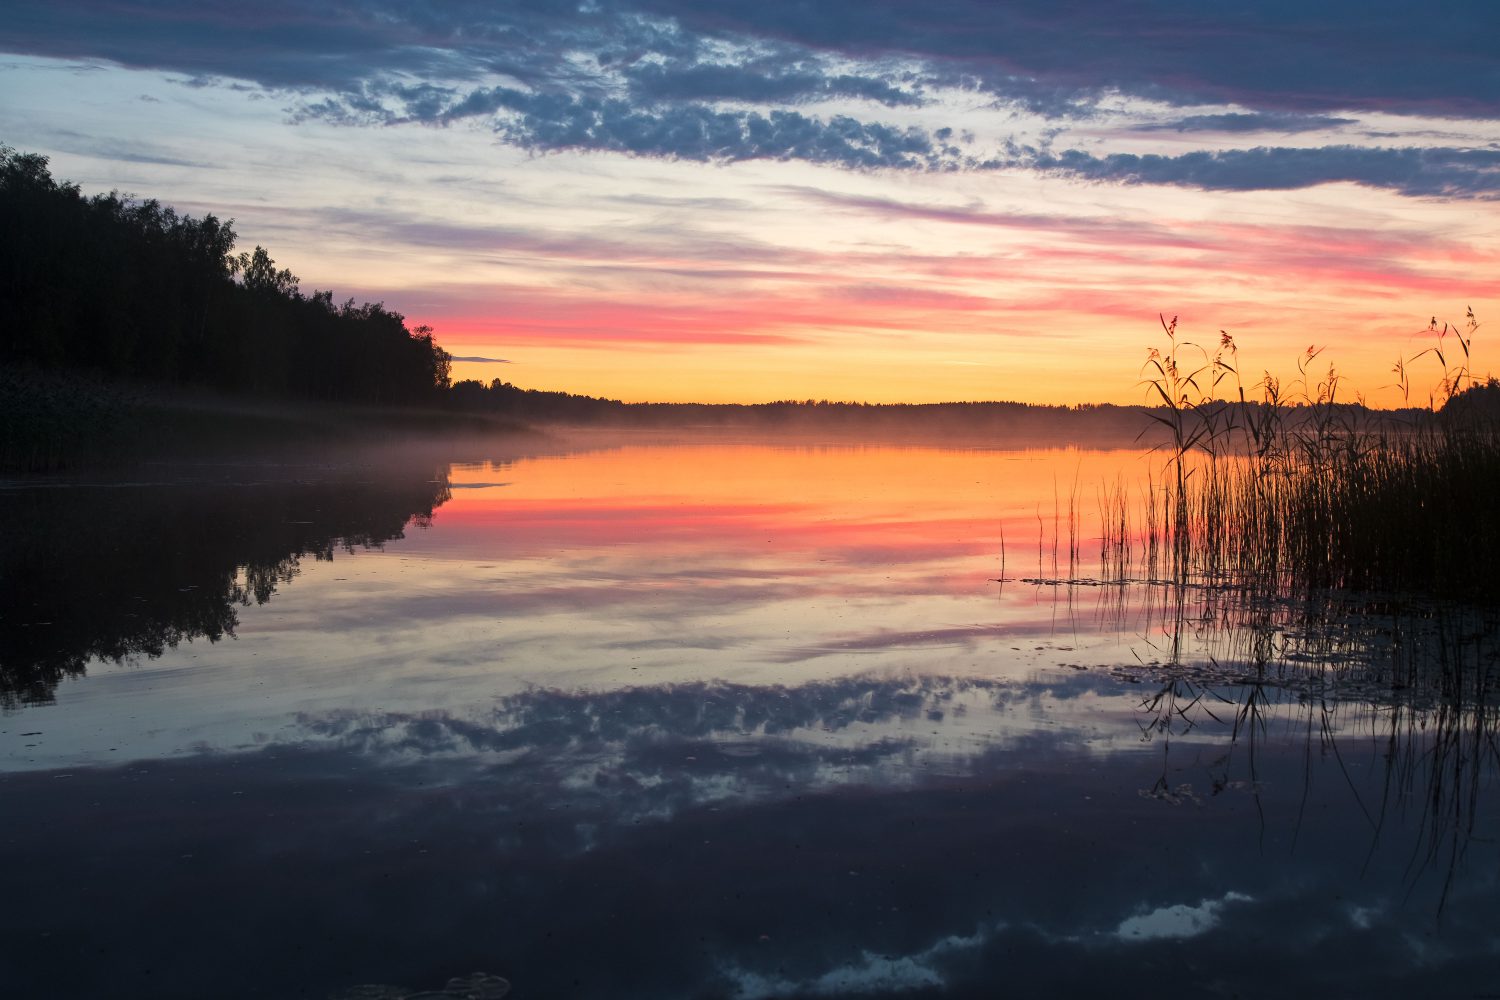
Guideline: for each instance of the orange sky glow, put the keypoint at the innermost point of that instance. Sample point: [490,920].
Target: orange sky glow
[744,208]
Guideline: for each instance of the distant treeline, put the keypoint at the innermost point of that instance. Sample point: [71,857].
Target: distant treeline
[503,399]
[1088,421]
[132,290]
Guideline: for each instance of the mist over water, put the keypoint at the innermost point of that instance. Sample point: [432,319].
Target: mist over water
[709,716]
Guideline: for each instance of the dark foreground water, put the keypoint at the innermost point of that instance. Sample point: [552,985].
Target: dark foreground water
[712,720]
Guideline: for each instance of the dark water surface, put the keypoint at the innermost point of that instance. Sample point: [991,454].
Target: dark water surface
[713,720]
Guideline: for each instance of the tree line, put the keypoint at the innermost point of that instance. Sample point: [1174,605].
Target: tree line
[133,290]
[500,398]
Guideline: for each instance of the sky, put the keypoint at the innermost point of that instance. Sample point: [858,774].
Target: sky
[881,200]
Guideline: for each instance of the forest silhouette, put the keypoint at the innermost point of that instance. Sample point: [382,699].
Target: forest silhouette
[135,291]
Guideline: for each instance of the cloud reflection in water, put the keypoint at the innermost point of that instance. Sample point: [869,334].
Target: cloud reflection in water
[843,838]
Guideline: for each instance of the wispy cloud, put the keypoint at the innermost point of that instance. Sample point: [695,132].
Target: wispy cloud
[1238,121]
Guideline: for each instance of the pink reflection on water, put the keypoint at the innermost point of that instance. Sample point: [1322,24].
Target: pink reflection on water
[767,554]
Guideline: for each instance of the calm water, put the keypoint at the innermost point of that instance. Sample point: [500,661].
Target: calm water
[712,720]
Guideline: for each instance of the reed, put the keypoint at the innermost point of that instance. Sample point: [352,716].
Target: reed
[1299,490]
[1300,550]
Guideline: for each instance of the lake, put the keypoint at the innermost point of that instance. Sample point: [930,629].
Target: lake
[699,717]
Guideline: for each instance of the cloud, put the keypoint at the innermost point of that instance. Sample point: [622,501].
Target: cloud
[1110,231]
[731,81]
[1266,121]
[486,361]
[1330,57]
[1334,56]
[548,121]
[1406,257]
[1439,172]
[760,82]
[682,248]
[283,44]
[125,151]
[699,132]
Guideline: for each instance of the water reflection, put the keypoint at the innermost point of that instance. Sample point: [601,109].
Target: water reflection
[106,573]
[1418,678]
[719,722]
[833,839]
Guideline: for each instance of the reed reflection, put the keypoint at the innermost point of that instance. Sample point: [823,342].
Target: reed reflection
[1402,685]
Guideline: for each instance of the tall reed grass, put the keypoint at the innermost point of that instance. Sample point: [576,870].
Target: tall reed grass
[1295,489]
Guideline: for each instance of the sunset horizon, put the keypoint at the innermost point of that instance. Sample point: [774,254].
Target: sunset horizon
[660,202]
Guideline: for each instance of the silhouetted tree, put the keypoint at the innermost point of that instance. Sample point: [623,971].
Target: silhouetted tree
[133,290]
